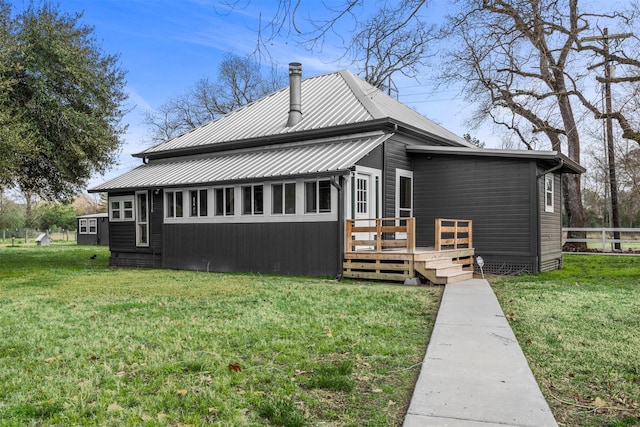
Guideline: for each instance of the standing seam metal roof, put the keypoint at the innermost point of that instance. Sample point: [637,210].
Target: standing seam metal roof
[318,156]
[328,100]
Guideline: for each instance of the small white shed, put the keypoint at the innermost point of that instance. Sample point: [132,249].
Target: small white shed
[43,240]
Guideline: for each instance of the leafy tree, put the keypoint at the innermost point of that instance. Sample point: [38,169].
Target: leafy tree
[11,213]
[240,81]
[56,215]
[60,102]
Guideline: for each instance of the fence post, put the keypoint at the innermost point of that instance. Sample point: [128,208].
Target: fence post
[604,239]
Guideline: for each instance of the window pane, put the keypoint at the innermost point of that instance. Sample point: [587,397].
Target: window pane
[115,206]
[203,203]
[128,204]
[290,198]
[142,234]
[219,201]
[276,198]
[179,209]
[257,200]
[115,214]
[128,214]
[170,206]
[310,197]
[142,207]
[246,200]
[229,202]
[324,195]
[193,203]
[405,192]
[83,226]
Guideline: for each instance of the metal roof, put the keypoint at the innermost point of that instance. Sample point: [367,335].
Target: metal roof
[313,157]
[552,157]
[328,100]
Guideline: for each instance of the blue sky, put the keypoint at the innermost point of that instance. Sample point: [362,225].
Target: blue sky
[167,45]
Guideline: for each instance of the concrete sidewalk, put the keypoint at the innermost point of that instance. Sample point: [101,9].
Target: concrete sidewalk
[474,372]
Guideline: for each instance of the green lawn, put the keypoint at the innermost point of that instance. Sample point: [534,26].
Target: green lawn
[580,330]
[83,344]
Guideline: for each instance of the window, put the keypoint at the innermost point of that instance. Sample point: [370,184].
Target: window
[93,226]
[142,219]
[361,196]
[404,193]
[82,226]
[225,204]
[198,203]
[283,198]
[317,196]
[252,200]
[174,204]
[548,193]
[121,208]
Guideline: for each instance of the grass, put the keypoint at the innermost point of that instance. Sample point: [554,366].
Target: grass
[84,344]
[580,330]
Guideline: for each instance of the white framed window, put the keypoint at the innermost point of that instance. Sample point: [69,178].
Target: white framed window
[252,200]
[175,203]
[404,193]
[548,192]
[317,196]
[198,203]
[224,201]
[121,208]
[93,226]
[142,218]
[283,198]
[83,226]
[362,192]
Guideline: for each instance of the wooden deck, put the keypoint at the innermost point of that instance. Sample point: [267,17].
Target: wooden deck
[384,249]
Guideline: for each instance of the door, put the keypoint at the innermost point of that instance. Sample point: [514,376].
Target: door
[364,207]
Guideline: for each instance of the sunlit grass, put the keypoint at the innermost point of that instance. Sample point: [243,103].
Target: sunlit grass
[580,330]
[83,344]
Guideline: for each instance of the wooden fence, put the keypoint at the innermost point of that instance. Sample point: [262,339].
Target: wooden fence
[453,234]
[378,234]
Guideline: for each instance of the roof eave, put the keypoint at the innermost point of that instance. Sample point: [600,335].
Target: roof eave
[569,166]
[384,124]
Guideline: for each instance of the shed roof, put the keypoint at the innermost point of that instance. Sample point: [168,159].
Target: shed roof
[317,157]
[551,158]
[328,101]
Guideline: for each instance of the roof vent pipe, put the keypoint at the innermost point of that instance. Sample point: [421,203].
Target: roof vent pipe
[295,93]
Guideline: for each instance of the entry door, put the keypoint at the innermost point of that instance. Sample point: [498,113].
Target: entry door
[364,206]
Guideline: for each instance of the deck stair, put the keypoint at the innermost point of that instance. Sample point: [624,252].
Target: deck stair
[441,268]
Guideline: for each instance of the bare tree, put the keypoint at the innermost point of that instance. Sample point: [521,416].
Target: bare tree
[395,38]
[527,63]
[240,81]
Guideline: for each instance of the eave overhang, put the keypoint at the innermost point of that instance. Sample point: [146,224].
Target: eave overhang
[546,158]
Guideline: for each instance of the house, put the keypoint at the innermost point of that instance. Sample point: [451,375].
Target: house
[279,185]
[93,229]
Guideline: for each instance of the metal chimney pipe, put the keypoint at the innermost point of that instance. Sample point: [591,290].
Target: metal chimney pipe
[295,93]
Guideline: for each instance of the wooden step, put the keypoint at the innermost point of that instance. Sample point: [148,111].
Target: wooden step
[443,270]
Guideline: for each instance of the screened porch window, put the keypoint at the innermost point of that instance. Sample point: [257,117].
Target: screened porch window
[317,196]
[283,198]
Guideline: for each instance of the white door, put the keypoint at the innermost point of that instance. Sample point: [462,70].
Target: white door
[364,207]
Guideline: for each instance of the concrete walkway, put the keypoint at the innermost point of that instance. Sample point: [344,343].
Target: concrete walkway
[474,372]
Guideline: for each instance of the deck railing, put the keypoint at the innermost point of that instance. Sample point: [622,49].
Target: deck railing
[378,234]
[453,234]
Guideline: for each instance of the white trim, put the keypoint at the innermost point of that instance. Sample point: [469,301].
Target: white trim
[121,210]
[266,217]
[145,224]
[406,174]
[549,178]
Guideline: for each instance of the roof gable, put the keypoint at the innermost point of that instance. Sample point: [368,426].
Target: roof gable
[328,101]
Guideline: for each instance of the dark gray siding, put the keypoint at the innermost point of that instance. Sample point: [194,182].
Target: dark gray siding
[304,248]
[100,238]
[373,159]
[498,194]
[395,158]
[550,227]
[122,238]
